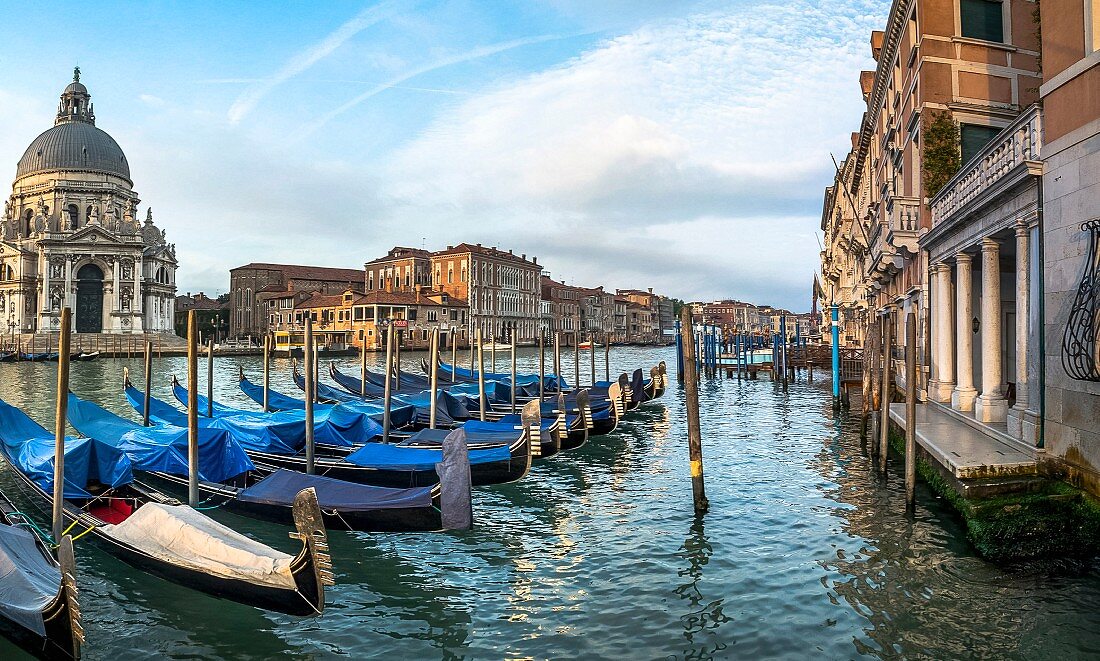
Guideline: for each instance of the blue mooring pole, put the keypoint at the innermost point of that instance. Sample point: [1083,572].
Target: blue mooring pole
[834,311]
[679,354]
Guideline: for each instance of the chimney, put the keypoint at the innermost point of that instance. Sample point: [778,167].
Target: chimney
[650,290]
[523,256]
[509,251]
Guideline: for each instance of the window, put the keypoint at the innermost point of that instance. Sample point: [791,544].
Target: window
[975,138]
[982,19]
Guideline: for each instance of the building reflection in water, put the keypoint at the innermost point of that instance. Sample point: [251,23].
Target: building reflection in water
[704,613]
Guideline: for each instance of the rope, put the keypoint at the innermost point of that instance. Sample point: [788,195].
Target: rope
[33,526]
[90,529]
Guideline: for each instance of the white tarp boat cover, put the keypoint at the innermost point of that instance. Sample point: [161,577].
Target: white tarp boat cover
[181,536]
[28,581]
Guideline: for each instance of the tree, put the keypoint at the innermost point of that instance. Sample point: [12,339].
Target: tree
[942,156]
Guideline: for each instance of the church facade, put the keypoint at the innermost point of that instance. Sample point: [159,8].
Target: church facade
[70,235]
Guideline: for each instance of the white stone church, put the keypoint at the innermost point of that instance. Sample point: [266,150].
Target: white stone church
[70,235]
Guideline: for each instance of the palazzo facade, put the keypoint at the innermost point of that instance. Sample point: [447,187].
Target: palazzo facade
[70,235]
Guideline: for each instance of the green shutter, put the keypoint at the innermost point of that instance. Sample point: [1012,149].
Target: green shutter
[975,138]
[981,19]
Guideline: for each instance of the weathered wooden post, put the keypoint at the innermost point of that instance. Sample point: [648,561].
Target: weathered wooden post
[363,368]
[834,315]
[592,357]
[434,356]
[61,420]
[557,358]
[783,339]
[397,360]
[311,391]
[480,377]
[514,339]
[210,378]
[470,341]
[910,409]
[387,391]
[576,359]
[887,390]
[607,357]
[192,409]
[267,373]
[316,370]
[679,354]
[542,363]
[148,383]
[452,337]
[691,395]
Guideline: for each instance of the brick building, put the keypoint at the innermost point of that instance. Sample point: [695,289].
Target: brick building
[249,313]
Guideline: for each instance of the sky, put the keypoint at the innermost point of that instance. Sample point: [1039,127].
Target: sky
[681,145]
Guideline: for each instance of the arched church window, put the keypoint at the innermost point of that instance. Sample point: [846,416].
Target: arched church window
[27,215]
[73,213]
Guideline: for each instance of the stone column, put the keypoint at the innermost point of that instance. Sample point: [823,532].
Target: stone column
[991,405]
[1023,313]
[44,304]
[67,300]
[962,397]
[944,317]
[116,264]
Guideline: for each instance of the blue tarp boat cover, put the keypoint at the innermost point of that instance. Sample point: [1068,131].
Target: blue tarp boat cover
[282,486]
[161,448]
[403,458]
[30,449]
[283,432]
[30,581]
[419,399]
[400,415]
[551,381]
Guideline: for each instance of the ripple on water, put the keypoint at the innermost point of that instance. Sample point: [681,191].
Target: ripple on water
[806,553]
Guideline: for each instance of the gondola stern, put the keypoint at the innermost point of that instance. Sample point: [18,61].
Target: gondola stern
[313,566]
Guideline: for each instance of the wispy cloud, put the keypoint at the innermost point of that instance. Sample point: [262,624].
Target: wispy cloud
[310,56]
[474,54]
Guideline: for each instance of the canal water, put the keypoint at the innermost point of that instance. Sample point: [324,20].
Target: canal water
[597,554]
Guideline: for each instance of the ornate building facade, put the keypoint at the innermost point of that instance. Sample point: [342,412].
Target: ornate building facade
[70,235]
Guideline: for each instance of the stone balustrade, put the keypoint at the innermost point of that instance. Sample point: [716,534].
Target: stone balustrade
[1018,144]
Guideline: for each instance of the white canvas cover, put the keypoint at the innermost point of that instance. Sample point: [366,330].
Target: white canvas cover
[28,581]
[181,536]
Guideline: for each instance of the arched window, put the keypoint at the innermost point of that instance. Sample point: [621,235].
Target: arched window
[73,213]
[27,215]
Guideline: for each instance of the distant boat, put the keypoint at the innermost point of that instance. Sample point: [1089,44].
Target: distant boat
[587,345]
[495,345]
[85,357]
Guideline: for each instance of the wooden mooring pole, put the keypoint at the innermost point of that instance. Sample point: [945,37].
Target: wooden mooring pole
[267,372]
[515,339]
[542,363]
[192,409]
[148,383]
[61,418]
[691,394]
[480,377]
[607,357]
[434,357]
[387,391]
[210,378]
[910,409]
[887,389]
[311,391]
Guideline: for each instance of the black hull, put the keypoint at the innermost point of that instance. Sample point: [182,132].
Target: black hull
[418,519]
[497,472]
[307,599]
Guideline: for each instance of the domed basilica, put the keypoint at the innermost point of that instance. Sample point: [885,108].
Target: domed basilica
[70,235]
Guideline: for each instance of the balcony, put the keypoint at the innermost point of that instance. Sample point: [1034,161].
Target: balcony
[904,227]
[1012,155]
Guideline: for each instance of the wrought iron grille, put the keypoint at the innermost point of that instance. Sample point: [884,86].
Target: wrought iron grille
[1081,340]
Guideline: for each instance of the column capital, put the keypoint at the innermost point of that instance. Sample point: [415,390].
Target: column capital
[963,258]
[989,244]
[1022,230]
[941,266]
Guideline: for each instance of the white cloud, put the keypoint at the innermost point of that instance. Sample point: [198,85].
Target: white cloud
[700,142]
[308,57]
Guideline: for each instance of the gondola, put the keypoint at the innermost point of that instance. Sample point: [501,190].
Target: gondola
[38,357]
[85,357]
[551,382]
[157,534]
[8,356]
[492,460]
[265,492]
[495,393]
[449,409]
[38,595]
[400,415]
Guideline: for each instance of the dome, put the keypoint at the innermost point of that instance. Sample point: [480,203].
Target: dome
[76,88]
[74,146]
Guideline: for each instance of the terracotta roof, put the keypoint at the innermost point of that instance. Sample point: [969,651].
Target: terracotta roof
[482,250]
[399,252]
[295,271]
[380,298]
[199,303]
